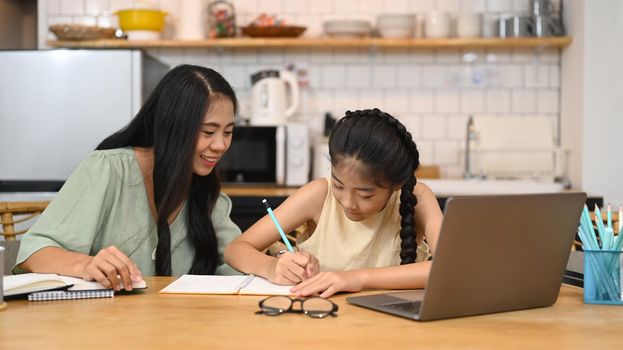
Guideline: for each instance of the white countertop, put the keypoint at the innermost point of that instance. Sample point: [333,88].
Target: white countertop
[442,187]
[26,196]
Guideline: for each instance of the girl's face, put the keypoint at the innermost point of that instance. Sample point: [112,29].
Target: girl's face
[359,197]
[214,135]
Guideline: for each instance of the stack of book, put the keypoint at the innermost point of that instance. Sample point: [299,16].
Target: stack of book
[48,286]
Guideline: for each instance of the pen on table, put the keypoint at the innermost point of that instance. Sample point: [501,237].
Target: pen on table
[272,216]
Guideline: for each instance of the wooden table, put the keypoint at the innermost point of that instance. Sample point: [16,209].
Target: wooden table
[150,320]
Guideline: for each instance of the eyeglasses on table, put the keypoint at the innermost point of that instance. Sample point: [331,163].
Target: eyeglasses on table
[315,307]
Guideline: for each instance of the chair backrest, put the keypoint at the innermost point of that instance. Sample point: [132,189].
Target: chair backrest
[604,218]
[13,213]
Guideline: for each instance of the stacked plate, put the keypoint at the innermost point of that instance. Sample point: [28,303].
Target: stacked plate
[347,28]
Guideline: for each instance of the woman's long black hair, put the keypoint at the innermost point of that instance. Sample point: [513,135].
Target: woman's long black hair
[388,154]
[170,121]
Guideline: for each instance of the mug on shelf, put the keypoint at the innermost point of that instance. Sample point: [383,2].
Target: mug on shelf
[519,26]
[546,26]
[468,25]
[502,25]
[437,25]
[489,25]
[541,7]
[420,20]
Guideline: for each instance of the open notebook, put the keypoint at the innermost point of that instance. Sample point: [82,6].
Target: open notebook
[211,284]
[36,282]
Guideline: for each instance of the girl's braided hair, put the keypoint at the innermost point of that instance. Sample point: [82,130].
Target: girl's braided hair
[388,153]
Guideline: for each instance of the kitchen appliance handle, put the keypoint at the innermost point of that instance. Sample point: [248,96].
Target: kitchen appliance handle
[294,89]
[280,162]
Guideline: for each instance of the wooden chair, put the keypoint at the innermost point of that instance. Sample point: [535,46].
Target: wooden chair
[296,236]
[604,219]
[12,213]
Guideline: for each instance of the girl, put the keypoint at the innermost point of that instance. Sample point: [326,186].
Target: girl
[147,201]
[369,217]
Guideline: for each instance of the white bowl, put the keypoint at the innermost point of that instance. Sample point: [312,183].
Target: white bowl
[347,28]
[396,20]
[396,32]
[143,35]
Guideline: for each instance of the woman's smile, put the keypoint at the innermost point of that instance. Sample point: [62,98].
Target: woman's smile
[209,161]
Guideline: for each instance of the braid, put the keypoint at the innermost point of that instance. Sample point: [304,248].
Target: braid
[408,245]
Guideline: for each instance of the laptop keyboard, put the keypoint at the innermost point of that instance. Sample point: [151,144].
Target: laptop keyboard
[408,306]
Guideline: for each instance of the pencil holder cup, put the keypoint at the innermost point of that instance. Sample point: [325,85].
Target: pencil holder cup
[602,277]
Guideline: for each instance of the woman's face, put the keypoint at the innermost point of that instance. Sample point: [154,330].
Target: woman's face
[359,197]
[214,135]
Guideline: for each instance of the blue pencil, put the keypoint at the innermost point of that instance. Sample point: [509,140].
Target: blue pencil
[283,235]
[604,235]
[587,225]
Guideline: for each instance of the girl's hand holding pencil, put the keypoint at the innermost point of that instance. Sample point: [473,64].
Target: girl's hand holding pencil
[293,268]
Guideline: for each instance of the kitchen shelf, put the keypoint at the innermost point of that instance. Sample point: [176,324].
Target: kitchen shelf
[319,43]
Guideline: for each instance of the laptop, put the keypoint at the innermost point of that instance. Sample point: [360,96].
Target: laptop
[494,254]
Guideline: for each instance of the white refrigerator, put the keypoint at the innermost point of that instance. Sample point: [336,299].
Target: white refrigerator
[57,105]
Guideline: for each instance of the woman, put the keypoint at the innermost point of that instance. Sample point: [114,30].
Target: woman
[147,201]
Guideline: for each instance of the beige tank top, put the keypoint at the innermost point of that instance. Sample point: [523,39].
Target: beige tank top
[341,244]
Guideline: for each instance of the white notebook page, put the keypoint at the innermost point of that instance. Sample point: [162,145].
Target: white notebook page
[261,286]
[206,284]
[211,284]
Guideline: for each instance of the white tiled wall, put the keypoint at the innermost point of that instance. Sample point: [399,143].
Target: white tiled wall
[431,91]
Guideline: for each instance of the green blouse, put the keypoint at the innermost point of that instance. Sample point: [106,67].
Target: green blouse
[104,202]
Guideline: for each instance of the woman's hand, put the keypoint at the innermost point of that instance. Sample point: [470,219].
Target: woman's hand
[110,267]
[292,268]
[328,283]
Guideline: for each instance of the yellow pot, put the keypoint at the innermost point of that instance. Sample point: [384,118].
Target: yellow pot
[141,19]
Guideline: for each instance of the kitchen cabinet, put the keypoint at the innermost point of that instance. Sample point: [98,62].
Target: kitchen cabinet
[322,43]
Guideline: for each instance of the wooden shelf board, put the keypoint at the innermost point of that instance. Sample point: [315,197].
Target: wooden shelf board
[320,43]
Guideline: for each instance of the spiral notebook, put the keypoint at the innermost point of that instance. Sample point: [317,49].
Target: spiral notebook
[69,295]
[16,285]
